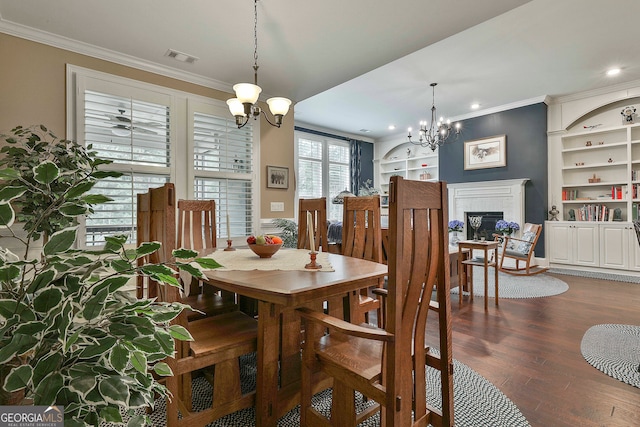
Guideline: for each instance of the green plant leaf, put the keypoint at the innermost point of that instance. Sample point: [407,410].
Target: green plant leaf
[48,363]
[9,273]
[42,279]
[162,369]
[95,305]
[46,172]
[106,174]
[47,390]
[72,209]
[71,340]
[79,189]
[208,263]
[61,241]
[146,344]
[184,253]
[10,307]
[30,328]
[166,341]
[167,279]
[7,215]
[9,193]
[111,414]
[103,345]
[82,384]
[156,269]
[147,248]
[180,333]
[18,378]
[120,265]
[138,420]
[8,174]
[114,390]
[96,199]
[191,270]
[119,358]
[47,299]
[139,361]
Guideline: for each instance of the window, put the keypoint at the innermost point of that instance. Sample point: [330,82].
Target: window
[323,169]
[223,168]
[138,127]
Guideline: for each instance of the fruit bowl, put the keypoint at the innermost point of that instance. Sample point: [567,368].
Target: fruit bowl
[265,251]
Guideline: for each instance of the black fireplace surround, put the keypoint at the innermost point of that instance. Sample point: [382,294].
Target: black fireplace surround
[488,226]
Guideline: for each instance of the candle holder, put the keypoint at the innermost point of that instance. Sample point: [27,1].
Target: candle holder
[229,248]
[313,265]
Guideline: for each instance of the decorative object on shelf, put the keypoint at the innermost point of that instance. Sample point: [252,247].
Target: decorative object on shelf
[592,127]
[425,176]
[244,106]
[455,226]
[628,115]
[438,131]
[339,199]
[553,213]
[610,160]
[617,214]
[408,153]
[594,179]
[277,177]
[475,222]
[588,144]
[485,153]
[600,142]
[579,163]
[572,215]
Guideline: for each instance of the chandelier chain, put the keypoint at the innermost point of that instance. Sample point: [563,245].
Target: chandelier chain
[255,42]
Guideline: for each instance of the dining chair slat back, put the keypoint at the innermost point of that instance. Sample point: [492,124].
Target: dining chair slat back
[388,365]
[362,238]
[318,209]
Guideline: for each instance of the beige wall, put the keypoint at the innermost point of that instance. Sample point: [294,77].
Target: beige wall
[33,91]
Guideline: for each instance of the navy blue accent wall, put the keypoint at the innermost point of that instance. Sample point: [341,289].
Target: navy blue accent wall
[526,131]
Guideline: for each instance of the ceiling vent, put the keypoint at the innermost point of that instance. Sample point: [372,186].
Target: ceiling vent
[180,56]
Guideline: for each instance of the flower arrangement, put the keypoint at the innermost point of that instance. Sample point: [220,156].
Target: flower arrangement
[456,225]
[507,227]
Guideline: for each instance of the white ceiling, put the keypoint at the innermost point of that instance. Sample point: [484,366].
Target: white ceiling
[358,64]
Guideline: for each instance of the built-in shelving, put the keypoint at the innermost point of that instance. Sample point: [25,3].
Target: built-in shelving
[423,167]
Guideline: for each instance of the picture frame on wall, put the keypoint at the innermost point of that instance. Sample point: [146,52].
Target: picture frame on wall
[277,177]
[485,153]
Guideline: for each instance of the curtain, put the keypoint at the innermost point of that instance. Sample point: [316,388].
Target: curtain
[356,165]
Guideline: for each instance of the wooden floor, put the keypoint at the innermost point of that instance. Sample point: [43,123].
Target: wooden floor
[530,349]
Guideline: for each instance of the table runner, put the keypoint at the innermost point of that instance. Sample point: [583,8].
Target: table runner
[284,259]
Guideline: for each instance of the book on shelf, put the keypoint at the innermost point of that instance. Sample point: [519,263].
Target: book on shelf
[594,213]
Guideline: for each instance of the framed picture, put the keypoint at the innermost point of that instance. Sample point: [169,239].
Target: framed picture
[277,177]
[485,153]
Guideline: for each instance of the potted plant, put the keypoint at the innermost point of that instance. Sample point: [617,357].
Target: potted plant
[69,334]
[288,231]
[455,226]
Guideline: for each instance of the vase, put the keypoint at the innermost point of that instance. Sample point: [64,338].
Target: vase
[453,238]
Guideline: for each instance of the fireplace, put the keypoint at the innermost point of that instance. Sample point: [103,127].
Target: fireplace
[502,196]
[488,226]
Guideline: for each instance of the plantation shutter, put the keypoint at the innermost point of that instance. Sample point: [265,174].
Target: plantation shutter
[223,158]
[135,135]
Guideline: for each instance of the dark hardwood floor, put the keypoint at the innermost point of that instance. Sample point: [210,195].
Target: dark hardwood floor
[530,349]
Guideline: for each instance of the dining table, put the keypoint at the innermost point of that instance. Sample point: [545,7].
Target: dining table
[281,284]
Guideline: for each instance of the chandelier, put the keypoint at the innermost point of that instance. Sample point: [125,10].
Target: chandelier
[437,132]
[243,106]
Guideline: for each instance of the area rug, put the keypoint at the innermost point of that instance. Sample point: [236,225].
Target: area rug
[477,402]
[510,286]
[615,350]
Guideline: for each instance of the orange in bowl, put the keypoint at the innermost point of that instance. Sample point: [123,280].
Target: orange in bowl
[265,251]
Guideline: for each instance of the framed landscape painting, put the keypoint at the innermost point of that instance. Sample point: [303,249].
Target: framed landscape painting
[485,153]
[277,177]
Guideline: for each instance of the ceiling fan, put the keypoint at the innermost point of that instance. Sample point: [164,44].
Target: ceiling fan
[123,125]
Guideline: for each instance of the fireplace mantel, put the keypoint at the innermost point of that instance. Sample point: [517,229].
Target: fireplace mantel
[502,195]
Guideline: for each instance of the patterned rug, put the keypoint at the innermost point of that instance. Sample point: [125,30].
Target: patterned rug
[614,350]
[477,402]
[511,286]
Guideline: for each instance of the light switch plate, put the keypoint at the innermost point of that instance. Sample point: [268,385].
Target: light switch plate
[277,206]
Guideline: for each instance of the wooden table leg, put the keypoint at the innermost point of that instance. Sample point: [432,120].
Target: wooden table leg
[496,273]
[267,361]
[486,279]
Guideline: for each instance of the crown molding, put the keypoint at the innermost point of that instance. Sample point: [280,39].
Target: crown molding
[595,92]
[50,39]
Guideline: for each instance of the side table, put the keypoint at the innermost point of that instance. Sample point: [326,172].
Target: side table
[485,246]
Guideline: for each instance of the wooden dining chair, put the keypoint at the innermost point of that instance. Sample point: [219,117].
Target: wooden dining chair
[197,231]
[388,365]
[521,250]
[219,340]
[362,238]
[318,209]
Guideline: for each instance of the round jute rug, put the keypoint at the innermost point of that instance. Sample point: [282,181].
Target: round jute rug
[511,286]
[615,350]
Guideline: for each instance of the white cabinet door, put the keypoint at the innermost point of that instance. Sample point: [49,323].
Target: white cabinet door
[560,239]
[634,250]
[585,241]
[614,246]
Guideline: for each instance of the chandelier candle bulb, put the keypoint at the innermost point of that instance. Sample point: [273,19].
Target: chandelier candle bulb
[228,226]
[312,243]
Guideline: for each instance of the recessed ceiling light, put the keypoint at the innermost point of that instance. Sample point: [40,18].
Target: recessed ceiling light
[475,106]
[181,56]
[613,71]
[392,127]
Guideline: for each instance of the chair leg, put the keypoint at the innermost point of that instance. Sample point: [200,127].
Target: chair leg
[343,406]
[226,382]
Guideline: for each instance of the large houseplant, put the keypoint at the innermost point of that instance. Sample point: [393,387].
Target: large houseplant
[69,334]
